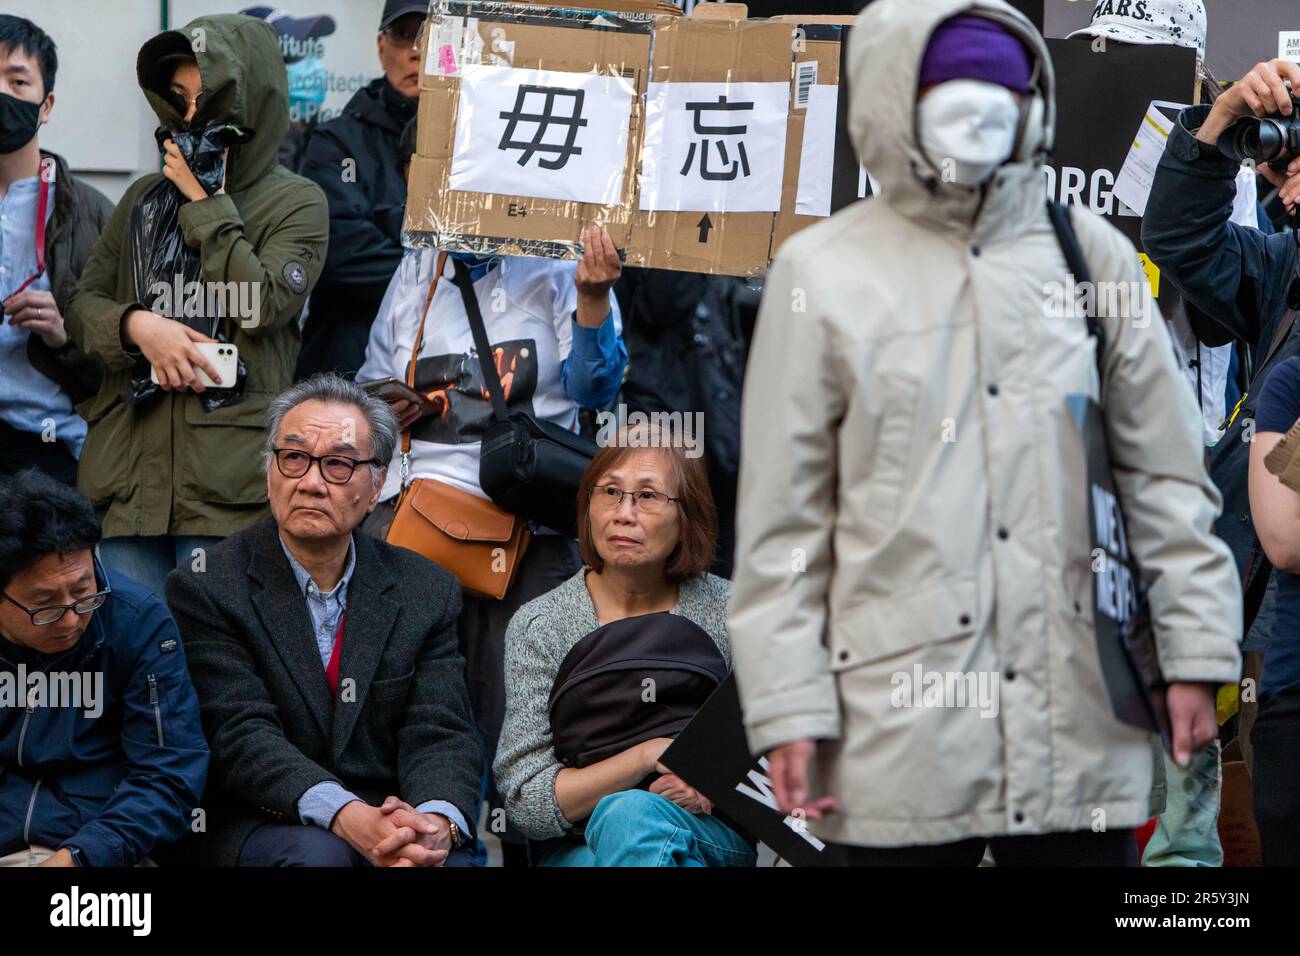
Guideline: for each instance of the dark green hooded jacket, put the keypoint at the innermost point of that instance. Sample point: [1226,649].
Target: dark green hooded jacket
[167,466]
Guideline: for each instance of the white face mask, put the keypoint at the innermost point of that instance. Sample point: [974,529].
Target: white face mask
[968,129]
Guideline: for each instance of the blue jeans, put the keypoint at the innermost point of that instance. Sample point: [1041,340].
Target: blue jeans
[640,828]
[149,560]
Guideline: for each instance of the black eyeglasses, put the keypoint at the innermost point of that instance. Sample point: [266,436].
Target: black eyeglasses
[336,469]
[610,497]
[43,616]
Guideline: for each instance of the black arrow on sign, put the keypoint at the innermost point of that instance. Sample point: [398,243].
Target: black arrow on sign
[705,225]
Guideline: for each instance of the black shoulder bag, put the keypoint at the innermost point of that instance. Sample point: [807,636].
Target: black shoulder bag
[1126,640]
[530,468]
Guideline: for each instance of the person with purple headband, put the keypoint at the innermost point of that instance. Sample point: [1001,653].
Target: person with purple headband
[912,614]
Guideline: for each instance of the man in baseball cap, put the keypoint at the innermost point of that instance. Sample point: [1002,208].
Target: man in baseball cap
[395,9]
[1177,22]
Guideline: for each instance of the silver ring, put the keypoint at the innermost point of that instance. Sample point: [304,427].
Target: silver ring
[38,311]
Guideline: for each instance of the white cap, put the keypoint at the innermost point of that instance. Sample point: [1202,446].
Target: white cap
[1176,22]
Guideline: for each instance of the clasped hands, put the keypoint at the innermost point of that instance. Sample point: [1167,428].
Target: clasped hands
[394,834]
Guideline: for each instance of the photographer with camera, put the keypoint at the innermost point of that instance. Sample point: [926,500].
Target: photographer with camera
[1248,282]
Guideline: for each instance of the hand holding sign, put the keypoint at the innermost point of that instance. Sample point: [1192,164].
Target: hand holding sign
[788,768]
[598,270]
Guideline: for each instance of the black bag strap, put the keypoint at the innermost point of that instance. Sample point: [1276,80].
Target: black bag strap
[1281,335]
[462,280]
[1078,265]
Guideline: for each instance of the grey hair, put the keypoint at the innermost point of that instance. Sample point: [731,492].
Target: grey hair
[328,387]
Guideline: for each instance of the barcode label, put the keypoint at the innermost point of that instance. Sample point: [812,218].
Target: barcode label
[805,80]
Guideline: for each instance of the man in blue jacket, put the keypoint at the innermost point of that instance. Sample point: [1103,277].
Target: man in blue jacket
[1242,278]
[102,756]
[1248,282]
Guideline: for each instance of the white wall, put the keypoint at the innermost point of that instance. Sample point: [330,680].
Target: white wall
[100,122]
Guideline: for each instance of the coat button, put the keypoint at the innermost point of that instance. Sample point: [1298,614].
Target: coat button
[1003,533]
[1245,519]
[993,389]
[1019,817]
[1010,674]
[964,620]
[844,655]
[975,250]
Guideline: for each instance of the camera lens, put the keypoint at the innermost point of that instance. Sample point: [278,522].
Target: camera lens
[1258,140]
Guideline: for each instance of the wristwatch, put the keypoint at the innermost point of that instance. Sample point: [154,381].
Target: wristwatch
[457,838]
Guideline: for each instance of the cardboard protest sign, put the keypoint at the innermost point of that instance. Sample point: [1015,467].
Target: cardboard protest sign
[529,127]
[814,149]
[721,64]
[683,137]
[711,754]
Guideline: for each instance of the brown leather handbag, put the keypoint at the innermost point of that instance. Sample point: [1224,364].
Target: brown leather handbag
[469,536]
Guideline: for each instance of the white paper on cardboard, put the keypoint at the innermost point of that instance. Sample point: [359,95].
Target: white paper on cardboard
[714,147]
[1133,184]
[543,133]
[446,39]
[817,155]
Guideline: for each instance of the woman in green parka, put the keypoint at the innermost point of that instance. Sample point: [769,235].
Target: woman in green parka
[167,475]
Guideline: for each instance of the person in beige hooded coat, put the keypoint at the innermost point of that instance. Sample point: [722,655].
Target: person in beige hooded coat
[912,496]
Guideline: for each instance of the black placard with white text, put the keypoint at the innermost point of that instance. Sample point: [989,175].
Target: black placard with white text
[712,755]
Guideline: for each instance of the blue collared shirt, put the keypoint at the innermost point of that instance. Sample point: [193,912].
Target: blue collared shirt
[325,607]
[29,402]
[321,803]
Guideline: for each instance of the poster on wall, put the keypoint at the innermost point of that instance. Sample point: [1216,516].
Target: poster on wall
[329,47]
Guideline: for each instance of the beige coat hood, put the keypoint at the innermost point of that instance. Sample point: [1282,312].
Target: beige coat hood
[884,62]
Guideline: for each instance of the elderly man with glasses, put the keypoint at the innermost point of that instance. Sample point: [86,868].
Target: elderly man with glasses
[102,759]
[326,662]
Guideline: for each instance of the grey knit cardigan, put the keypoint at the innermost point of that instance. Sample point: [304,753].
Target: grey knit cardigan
[539,636]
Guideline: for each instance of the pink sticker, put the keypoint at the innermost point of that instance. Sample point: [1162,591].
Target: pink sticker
[448,58]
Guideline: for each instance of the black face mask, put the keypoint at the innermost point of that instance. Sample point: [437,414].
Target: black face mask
[19,121]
